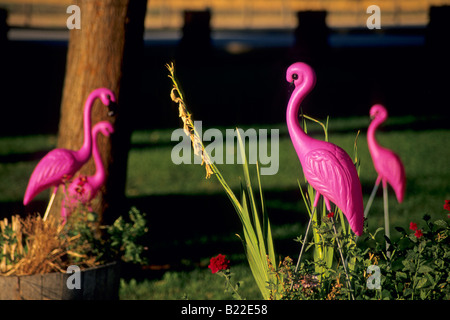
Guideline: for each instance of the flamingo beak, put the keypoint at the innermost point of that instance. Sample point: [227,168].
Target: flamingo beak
[112,106]
[291,86]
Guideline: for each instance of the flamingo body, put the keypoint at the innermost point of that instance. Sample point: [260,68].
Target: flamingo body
[60,164]
[387,163]
[84,188]
[54,169]
[327,167]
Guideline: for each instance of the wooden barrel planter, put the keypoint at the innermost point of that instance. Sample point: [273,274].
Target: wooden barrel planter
[98,283]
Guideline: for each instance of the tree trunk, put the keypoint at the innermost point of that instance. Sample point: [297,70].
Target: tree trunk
[105,52]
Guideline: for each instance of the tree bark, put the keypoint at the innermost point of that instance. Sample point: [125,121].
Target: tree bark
[105,52]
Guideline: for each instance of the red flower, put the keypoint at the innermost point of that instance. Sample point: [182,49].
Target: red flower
[330,215]
[447,205]
[79,190]
[418,233]
[413,226]
[219,263]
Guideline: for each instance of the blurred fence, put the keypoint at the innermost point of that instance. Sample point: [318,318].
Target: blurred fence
[236,14]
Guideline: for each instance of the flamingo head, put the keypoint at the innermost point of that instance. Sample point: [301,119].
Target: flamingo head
[108,98]
[378,112]
[301,74]
[105,127]
[105,95]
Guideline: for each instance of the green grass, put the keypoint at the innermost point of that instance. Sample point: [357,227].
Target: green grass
[198,284]
[425,154]
[15,167]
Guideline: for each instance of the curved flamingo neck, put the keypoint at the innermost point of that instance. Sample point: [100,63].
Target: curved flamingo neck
[85,152]
[371,139]
[295,130]
[98,178]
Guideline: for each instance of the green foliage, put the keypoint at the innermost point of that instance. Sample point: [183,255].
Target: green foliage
[417,269]
[257,233]
[125,236]
[121,241]
[257,239]
[258,242]
[231,289]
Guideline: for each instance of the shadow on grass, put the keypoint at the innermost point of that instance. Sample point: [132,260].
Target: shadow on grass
[185,231]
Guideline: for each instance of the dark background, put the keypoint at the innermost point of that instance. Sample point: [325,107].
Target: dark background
[360,67]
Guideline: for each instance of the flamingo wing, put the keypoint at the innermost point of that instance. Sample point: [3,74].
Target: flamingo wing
[52,170]
[390,167]
[332,173]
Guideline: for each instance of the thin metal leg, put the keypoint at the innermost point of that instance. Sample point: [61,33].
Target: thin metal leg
[50,203]
[304,242]
[387,231]
[342,258]
[372,196]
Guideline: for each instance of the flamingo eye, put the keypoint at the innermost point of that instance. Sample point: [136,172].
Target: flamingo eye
[295,76]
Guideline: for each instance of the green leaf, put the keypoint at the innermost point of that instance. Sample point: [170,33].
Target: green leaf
[426,217]
[430,279]
[378,230]
[404,243]
[407,292]
[422,245]
[423,294]
[421,283]
[386,294]
[396,265]
[257,240]
[424,269]
[409,265]
[441,224]
[92,216]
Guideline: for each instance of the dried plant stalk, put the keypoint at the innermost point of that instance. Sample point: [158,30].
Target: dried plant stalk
[188,123]
[11,242]
[34,246]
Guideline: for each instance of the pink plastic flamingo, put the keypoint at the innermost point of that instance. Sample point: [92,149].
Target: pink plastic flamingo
[59,165]
[387,164]
[327,168]
[84,188]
